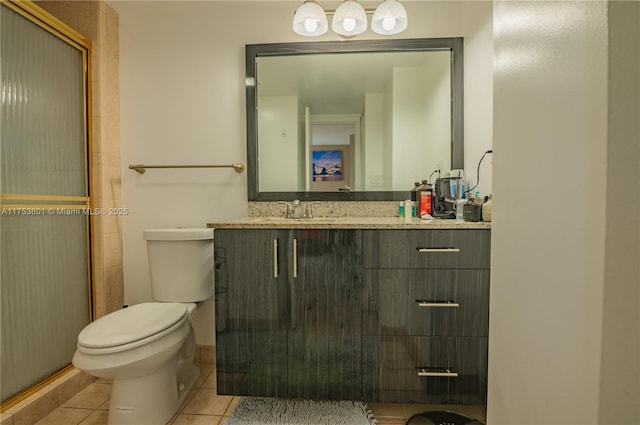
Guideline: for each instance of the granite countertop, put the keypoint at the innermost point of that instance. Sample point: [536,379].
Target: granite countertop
[346,223]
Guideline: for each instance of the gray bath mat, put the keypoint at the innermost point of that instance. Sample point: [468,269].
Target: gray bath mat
[275,411]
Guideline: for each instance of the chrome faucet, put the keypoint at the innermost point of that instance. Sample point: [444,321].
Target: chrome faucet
[295,209]
[308,211]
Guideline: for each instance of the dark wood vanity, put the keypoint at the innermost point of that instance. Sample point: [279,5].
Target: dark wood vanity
[346,311]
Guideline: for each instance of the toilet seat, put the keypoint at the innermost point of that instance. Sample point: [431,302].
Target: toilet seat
[132,327]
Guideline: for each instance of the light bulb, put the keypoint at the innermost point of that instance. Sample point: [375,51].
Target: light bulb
[310,25]
[349,24]
[388,23]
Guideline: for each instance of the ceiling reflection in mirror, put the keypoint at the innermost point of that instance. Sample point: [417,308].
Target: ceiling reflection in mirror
[354,123]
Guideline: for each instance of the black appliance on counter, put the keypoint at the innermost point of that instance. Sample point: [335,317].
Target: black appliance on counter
[447,191]
[443,417]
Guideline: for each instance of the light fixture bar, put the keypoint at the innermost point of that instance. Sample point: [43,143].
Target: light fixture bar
[389,18]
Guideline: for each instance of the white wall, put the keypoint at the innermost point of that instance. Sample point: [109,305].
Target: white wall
[182,101]
[418,96]
[620,373]
[477,27]
[550,169]
[373,128]
[278,129]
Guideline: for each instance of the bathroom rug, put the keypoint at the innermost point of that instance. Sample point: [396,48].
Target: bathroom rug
[276,411]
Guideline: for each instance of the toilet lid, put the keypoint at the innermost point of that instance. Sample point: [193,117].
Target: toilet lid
[131,324]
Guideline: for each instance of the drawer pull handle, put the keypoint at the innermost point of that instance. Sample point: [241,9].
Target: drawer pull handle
[436,303]
[295,257]
[275,258]
[432,250]
[445,372]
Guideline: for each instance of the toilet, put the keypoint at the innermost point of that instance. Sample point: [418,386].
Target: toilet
[147,349]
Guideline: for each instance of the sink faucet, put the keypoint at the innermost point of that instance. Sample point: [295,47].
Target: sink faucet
[294,209]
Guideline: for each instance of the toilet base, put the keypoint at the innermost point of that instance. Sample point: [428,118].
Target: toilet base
[151,399]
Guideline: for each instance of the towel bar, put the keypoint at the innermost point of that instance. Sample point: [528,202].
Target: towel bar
[141,168]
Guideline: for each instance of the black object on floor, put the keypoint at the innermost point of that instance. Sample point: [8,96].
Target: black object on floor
[442,417]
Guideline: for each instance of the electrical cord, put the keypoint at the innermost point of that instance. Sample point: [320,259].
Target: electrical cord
[478,172]
[434,171]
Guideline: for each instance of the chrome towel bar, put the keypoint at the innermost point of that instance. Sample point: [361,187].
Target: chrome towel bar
[238,167]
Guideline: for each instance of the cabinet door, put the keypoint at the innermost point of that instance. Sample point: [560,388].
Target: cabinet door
[327,298]
[251,312]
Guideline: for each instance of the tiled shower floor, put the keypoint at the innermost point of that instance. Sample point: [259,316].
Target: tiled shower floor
[204,407]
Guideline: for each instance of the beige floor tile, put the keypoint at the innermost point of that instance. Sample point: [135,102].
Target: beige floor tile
[387,410]
[205,371]
[207,402]
[105,405]
[411,409]
[391,421]
[232,406]
[98,417]
[65,416]
[184,419]
[6,419]
[210,382]
[91,397]
[36,408]
[75,382]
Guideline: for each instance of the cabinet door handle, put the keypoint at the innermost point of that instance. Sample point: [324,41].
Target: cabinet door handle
[275,258]
[428,250]
[436,303]
[295,257]
[437,372]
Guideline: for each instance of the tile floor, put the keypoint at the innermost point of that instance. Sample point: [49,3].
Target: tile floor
[204,407]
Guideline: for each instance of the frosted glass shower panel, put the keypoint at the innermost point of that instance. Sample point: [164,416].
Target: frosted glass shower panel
[45,290]
[43,96]
[45,273]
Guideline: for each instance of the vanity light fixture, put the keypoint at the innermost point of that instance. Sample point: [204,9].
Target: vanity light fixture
[389,18]
[350,19]
[310,19]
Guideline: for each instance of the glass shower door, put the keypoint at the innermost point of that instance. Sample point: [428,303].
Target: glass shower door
[45,278]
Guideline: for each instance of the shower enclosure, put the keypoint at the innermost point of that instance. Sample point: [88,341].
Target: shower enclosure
[45,267]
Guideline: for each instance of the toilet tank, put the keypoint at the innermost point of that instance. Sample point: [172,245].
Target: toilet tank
[180,264]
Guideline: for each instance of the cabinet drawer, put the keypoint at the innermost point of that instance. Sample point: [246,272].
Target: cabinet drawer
[430,370]
[418,249]
[438,302]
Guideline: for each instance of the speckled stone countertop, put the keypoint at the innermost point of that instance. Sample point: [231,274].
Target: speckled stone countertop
[345,223]
[339,215]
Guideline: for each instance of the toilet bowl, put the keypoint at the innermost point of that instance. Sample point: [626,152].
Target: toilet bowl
[144,350]
[147,349]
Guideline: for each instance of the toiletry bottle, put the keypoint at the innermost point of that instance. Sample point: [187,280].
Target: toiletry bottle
[460,206]
[401,209]
[414,197]
[486,208]
[407,211]
[425,200]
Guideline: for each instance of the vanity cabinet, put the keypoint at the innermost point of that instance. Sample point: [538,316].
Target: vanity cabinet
[425,331]
[289,307]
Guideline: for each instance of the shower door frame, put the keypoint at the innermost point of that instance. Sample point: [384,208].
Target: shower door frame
[77,204]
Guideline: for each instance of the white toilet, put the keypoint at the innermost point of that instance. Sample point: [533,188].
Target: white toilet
[147,349]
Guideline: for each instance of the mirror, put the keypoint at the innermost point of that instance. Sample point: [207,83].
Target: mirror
[352,120]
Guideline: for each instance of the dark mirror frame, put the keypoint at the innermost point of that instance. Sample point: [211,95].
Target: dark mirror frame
[253,51]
